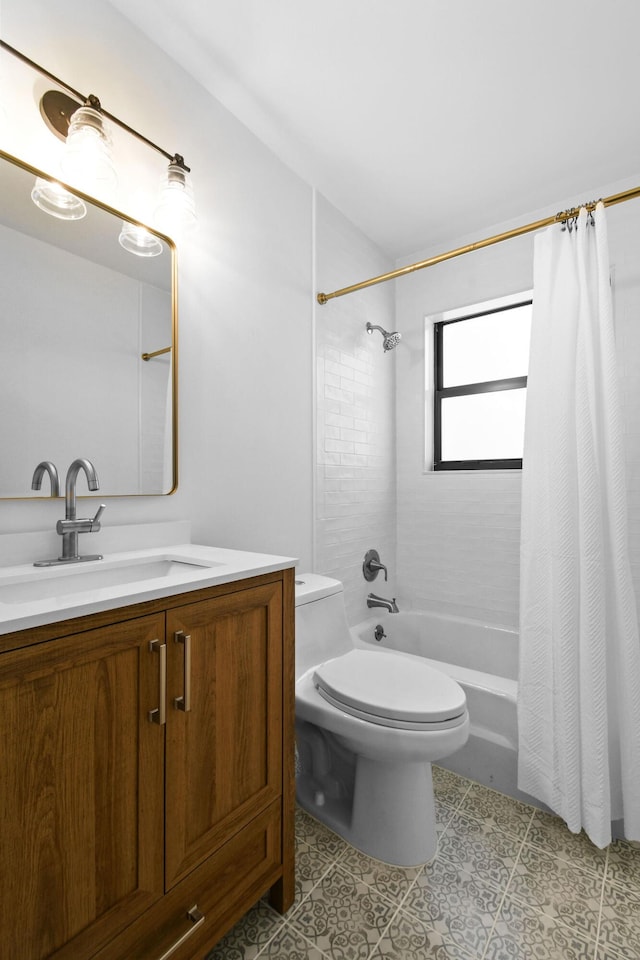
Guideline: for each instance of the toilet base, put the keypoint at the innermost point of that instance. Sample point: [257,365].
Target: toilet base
[388,813]
[394,817]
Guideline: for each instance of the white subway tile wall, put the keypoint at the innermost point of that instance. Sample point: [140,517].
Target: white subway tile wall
[355,426]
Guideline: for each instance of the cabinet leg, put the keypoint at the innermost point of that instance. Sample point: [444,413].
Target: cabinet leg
[282,893]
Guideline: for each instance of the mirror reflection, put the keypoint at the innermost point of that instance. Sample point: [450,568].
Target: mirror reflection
[78,312]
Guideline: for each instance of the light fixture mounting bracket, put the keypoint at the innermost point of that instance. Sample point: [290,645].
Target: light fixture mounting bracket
[56,109]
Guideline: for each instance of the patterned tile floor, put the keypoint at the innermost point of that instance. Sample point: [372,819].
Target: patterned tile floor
[508,881]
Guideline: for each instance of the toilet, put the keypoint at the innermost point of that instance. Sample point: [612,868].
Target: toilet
[369,723]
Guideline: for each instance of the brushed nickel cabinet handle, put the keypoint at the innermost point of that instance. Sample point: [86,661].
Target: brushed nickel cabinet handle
[197,919]
[159,715]
[184,702]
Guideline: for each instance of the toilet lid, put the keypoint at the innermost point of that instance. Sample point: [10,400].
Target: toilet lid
[390,689]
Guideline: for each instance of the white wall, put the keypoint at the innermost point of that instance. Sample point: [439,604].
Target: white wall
[245,293]
[355,442]
[458,533]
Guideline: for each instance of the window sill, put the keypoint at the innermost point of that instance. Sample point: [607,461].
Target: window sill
[430,472]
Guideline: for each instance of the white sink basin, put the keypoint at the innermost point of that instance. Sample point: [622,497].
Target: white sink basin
[64,581]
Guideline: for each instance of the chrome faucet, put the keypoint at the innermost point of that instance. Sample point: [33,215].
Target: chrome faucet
[71,526]
[390,605]
[46,466]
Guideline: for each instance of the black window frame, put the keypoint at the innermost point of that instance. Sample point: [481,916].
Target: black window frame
[467,389]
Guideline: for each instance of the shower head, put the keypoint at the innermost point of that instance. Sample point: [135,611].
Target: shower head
[389,340]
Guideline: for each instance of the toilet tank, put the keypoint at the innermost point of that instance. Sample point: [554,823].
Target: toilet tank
[322,631]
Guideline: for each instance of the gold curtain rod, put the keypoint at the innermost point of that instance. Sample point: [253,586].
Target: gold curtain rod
[479,244]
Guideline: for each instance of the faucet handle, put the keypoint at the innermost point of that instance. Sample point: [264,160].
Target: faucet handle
[372,566]
[82,525]
[95,523]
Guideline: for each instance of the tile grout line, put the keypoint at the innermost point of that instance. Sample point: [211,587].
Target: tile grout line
[415,879]
[286,921]
[275,933]
[391,919]
[504,892]
[456,810]
[337,862]
[604,884]
[453,809]
[297,907]
[298,933]
[558,920]
[397,905]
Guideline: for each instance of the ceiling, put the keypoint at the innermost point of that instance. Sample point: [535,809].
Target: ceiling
[423,120]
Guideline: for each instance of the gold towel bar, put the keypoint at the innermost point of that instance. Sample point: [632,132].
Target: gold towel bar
[156,353]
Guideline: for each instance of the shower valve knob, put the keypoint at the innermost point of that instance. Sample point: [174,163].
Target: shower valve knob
[372,566]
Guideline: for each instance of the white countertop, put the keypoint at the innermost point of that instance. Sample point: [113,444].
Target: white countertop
[31,596]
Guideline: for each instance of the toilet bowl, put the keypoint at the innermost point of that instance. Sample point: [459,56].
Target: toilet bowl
[369,723]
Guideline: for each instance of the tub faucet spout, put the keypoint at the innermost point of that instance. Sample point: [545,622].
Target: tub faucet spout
[375,601]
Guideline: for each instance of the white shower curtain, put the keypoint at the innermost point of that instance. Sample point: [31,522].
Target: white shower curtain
[579,679]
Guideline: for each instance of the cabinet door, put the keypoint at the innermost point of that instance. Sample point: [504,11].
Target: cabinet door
[81,780]
[223,757]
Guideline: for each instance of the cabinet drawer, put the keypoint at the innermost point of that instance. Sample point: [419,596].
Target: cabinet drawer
[223,889]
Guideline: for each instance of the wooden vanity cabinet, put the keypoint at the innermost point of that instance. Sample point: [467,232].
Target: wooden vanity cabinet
[146,775]
[81,780]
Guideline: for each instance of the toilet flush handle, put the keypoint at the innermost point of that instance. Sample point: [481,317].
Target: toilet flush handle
[372,566]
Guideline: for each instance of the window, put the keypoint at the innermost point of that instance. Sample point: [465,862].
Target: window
[481,361]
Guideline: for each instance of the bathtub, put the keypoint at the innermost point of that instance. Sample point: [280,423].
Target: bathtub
[484,661]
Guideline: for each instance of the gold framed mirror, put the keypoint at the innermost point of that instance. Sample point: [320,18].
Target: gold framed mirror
[88,361]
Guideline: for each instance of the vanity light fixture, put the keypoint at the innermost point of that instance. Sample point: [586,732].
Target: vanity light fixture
[86,161]
[56,109]
[176,211]
[88,165]
[51,196]
[138,240]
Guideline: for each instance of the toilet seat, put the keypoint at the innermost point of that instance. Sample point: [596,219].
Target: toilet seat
[391,690]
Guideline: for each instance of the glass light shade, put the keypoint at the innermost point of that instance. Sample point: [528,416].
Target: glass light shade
[176,210]
[137,240]
[86,161]
[52,197]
